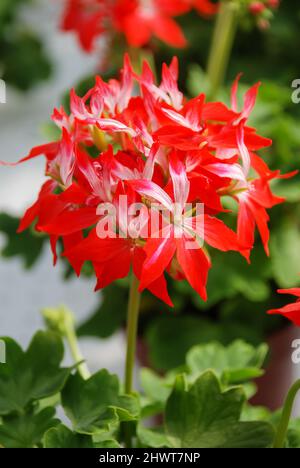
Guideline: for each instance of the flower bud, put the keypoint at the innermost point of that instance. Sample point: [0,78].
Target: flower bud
[58,319]
[256,8]
[263,24]
[274,4]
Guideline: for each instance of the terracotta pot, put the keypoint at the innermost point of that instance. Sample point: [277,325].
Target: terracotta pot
[280,371]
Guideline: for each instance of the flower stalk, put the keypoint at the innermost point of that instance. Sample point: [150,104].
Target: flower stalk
[76,352]
[132,327]
[61,320]
[286,415]
[222,43]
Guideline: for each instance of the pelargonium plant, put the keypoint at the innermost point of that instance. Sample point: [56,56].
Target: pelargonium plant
[138,185]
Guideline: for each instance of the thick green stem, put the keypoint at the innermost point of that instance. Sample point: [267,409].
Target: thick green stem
[75,351]
[132,326]
[286,415]
[223,38]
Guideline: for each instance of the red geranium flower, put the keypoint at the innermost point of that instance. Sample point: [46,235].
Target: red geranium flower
[138,20]
[290,311]
[160,153]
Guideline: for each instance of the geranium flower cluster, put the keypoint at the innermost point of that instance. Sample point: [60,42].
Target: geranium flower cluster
[145,143]
[137,20]
[258,7]
[263,11]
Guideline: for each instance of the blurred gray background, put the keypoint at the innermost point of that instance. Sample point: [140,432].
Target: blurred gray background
[24,293]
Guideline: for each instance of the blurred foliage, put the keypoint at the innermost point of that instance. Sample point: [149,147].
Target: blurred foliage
[109,316]
[203,415]
[269,54]
[23,61]
[28,245]
[198,405]
[239,294]
[236,364]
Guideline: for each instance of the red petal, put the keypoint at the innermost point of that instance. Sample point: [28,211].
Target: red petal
[53,243]
[168,31]
[136,36]
[293,291]
[108,272]
[262,218]
[49,150]
[218,112]
[159,254]
[205,7]
[69,242]
[159,287]
[290,311]
[69,222]
[33,212]
[195,265]
[246,225]
[221,237]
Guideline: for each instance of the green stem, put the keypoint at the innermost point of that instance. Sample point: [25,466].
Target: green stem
[75,351]
[132,326]
[286,416]
[222,43]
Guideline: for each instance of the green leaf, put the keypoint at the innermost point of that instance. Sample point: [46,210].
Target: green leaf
[255,413]
[25,60]
[154,386]
[94,405]
[62,437]
[170,337]
[235,276]
[31,375]
[108,444]
[293,434]
[206,417]
[109,315]
[155,438]
[26,430]
[285,254]
[289,189]
[156,391]
[236,363]
[27,245]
